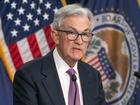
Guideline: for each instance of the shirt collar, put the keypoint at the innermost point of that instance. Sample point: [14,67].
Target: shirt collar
[61,65]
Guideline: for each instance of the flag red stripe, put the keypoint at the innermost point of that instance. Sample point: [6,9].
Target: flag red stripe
[94,63]
[103,79]
[34,46]
[97,66]
[47,31]
[100,70]
[15,56]
[91,60]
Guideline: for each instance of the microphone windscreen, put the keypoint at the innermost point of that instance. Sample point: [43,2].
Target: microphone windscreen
[73,77]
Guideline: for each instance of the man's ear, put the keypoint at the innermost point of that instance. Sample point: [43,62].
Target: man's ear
[55,36]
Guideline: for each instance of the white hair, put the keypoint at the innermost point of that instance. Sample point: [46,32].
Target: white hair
[71,10]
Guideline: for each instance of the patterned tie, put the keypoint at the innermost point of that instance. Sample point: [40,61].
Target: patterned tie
[73,95]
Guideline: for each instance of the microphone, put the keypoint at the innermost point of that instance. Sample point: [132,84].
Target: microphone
[137,74]
[73,77]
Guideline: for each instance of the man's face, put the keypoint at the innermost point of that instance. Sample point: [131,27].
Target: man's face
[72,50]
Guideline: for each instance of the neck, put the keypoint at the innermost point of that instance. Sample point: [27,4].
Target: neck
[69,61]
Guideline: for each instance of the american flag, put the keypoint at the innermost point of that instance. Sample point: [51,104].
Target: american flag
[25,29]
[101,63]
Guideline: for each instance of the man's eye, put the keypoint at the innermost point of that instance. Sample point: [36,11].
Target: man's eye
[70,32]
[84,34]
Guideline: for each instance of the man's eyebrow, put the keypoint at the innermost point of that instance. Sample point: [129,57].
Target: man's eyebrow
[72,28]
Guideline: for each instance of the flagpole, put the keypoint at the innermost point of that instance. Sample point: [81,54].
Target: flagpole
[5,62]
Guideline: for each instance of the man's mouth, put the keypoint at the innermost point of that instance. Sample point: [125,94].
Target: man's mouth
[77,49]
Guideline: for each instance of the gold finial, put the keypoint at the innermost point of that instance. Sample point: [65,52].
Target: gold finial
[138,3]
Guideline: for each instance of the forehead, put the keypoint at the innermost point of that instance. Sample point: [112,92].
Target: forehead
[79,23]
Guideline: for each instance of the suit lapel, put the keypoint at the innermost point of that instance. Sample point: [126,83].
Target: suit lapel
[84,79]
[51,81]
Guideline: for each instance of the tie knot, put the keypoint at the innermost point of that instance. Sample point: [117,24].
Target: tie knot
[71,71]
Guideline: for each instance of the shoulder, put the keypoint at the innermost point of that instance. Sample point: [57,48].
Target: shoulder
[89,69]
[35,65]
[86,65]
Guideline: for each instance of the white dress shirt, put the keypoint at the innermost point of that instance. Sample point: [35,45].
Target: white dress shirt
[64,78]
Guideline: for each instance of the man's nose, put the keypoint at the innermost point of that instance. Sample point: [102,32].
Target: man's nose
[79,39]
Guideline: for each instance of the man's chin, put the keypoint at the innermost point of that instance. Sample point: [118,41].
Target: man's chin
[76,58]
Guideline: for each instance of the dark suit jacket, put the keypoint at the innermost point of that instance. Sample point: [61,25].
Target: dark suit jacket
[37,83]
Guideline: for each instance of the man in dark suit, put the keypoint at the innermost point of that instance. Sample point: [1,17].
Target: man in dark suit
[46,81]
